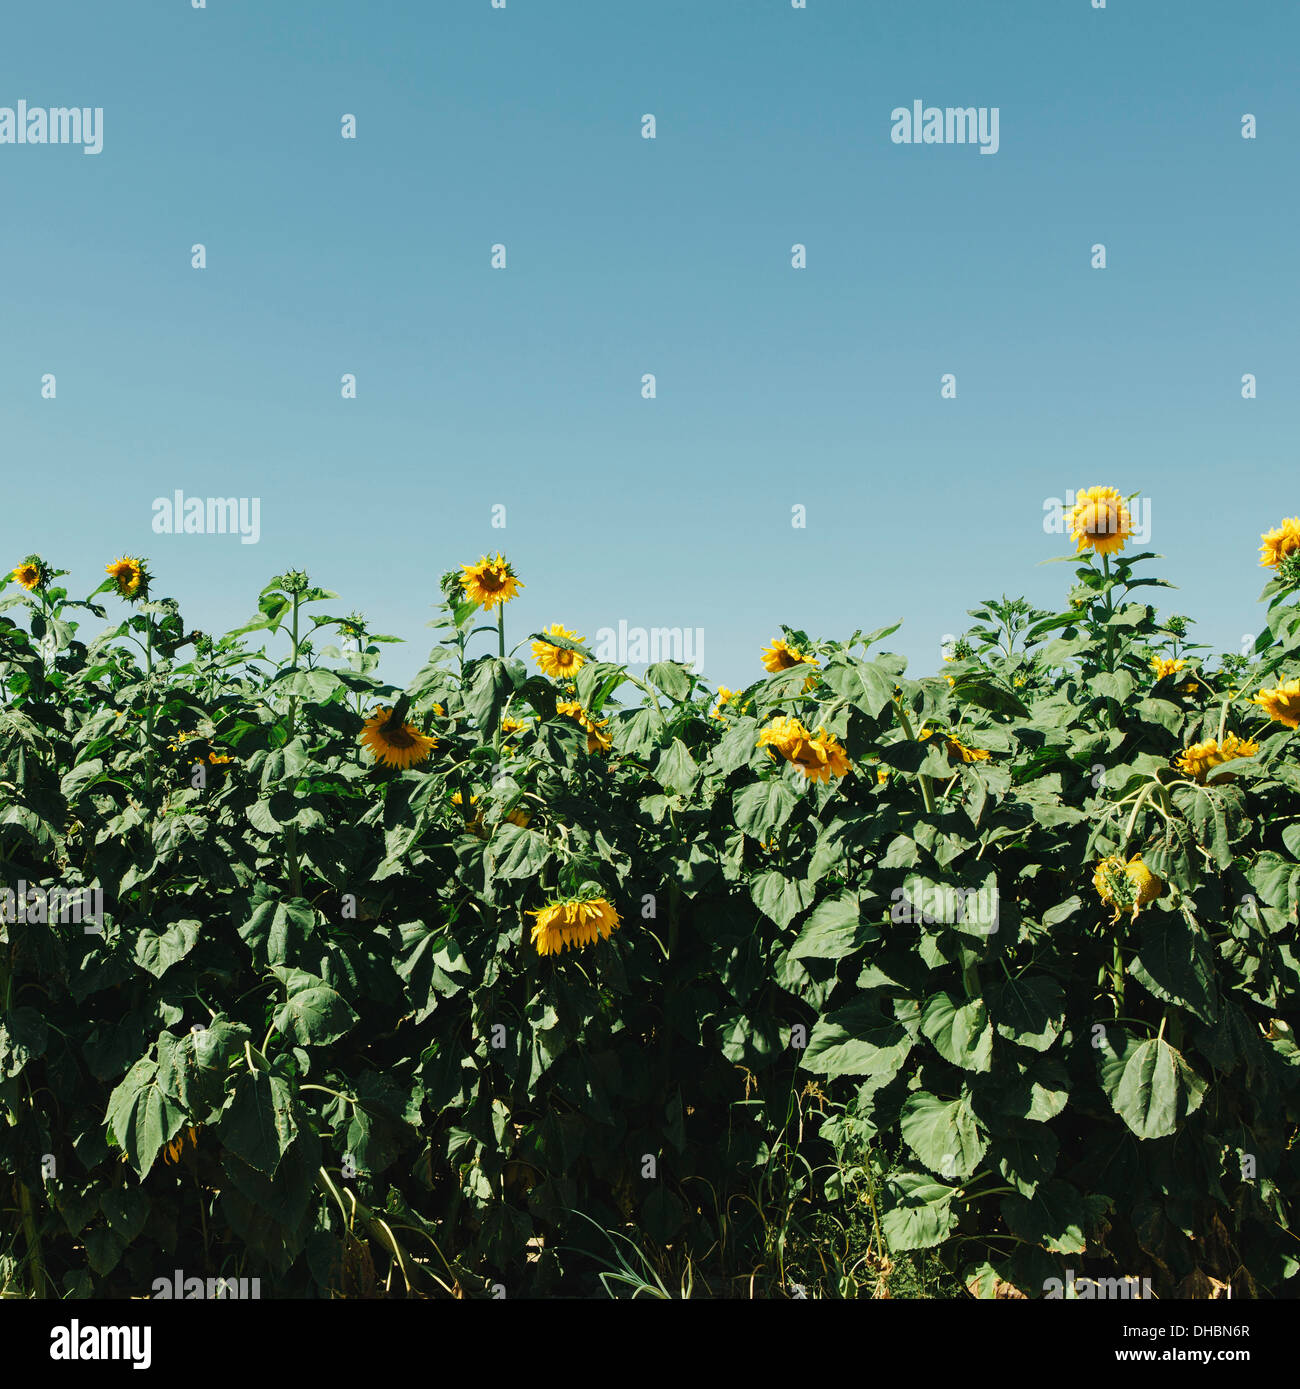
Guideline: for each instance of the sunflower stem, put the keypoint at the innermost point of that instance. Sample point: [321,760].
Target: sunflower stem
[291,835]
[501,630]
[927,794]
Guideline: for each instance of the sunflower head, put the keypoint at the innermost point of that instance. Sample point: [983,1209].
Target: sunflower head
[725,697]
[1202,758]
[131,577]
[1279,543]
[1126,887]
[490,581]
[32,573]
[1100,521]
[597,739]
[572,924]
[1282,703]
[558,661]
[782,656]
[818,756]
[1163,666]
[393,743]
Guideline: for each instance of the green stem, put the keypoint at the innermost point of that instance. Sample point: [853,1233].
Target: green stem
[927,794]
[501,630]
[291,836]
[33,1238]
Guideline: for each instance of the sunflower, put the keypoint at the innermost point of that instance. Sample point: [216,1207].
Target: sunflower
[1163,666]
[1100,520]
[818,756]
[218,759]
[573,924]
[393,746]
[725,697]
[1282,704]
[957,750]
[130,576]
[490,581]
[29,573]
[1126,886]
[782,656]
[177,1146]
[597,739]
[1201,758]
[1279,543]
[556,661]
[509,725]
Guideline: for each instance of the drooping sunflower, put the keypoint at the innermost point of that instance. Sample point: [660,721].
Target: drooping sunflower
[597,739]
[130,575]
[395,745]
[490,581]
[1202,758]
[1126,886]
[177,1146]
[573,924]
[1100,520]
[782,656]
[557,661]
[1279,542]
[1163,666]
[1282,703]
[957,750]
[818,756]
[30,573]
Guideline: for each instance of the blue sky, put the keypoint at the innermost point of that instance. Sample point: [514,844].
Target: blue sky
[776,387]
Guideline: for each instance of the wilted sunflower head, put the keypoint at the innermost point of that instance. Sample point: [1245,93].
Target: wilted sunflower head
[782,656]
[1279,543]
[558,661]
[490,581]
[818,756]
[1282,703]
[393,744]
[130,575]
[573,924]
[32,573]
[1100,520]
[1126,887]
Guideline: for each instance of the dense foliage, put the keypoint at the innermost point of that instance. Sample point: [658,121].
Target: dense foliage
[998,983]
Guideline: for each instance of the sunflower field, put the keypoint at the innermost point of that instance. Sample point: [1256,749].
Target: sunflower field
[544,977]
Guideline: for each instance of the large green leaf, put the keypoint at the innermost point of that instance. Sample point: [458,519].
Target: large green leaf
[857,1040]
[944,1134]
[1150,1085]
[259,1123]
[141,1116]
[960,1030]
[919,1214]
[313,1013]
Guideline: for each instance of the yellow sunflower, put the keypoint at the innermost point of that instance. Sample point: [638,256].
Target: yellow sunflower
[957,750]
[725,697]
[1100,520]
[1201,758]
[509,725]
[1126,886]
[782,656]
[573,924]
[130,576]
[28,574]
[597,739]
[1282,703]
[1163,666]
[818,756]
[403,746]
[1279,543]
[490,581]
[556,661]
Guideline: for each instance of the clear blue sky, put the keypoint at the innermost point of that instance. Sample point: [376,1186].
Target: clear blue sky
[776,387]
